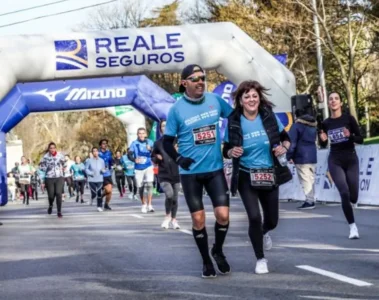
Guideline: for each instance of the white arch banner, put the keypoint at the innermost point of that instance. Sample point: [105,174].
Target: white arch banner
[220,46]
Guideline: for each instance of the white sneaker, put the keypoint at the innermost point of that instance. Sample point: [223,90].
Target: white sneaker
[131,197]
[354,234]
[261,266]
[166,223]
[99,209]
[144,209]
[151,208]
[136,198]
[267,242]
[174,224]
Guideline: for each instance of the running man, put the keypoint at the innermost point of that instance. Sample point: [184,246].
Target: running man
[119,173]
[194,120]
[140,152]
[106,155]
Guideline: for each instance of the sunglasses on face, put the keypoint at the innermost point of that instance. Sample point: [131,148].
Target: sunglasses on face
[196,78]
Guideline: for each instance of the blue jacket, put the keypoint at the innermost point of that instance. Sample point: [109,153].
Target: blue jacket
[303,136]
[108,160]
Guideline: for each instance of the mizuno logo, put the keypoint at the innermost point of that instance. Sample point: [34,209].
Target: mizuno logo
[85,94]
[200,236]
[51,95]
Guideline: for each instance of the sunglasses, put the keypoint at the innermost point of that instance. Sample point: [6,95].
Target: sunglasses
[196,78]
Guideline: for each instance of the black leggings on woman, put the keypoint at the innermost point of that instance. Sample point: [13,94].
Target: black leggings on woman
[132,184]
[120,180]
[54,188]
[25,193]
[79,187]
[344,170]
[269,201]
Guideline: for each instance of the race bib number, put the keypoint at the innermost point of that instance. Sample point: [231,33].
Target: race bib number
[25,179]
[262,177]
[205,135]
[142,160]
[337,136]
[119,168]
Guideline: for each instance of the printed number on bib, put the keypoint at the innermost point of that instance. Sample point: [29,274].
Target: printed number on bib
[337,135]
[142,160]
[204,135]
[262,177]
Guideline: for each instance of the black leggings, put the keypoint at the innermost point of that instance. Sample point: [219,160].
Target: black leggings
[25,193]
[70,186]
[344,170]
[171,191]
[120,180]
[269,201]
[35,191]
[54,188]
[213,182]
[79,186]
[96,189]
[132,184]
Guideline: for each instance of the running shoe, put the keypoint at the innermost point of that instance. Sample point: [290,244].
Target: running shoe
[221,262]
[267,242]
[77,198]
[175,225]
[50,210]
[166,223]
[144,209]
[60,215]
[150,208]
[123,190]
[131,197]
[354,234]
[209,271]
[99,209]
[307,205]
[261,266]
[107,207]
[121,195]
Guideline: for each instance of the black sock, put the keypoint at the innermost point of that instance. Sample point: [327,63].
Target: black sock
[201,239]
[220,235]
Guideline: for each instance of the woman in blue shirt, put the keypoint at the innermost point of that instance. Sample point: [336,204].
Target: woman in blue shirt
[255,140]
[78,172]
[130,176]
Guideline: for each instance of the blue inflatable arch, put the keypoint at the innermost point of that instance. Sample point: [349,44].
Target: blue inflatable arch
[23,99]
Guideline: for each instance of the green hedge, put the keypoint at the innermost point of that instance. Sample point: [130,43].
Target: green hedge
[370,141]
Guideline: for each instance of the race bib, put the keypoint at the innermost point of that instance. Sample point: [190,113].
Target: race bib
[25,179]
[205,135]
[262,177]
[337,136]
[119,168]
[142,160]
[130,167]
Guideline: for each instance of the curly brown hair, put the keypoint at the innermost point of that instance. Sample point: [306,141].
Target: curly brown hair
[245,87]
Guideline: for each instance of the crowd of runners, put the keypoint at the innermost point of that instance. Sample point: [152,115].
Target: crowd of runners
[190,155]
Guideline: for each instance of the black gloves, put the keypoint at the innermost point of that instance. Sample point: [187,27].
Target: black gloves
[184,162]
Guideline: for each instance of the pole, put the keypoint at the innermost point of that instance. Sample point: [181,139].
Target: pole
[320,64]
[367,116]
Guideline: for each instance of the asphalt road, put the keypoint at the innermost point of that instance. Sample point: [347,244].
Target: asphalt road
[124,254]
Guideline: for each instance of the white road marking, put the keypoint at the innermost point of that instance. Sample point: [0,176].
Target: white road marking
[336,276]
[186,231]
[325,247]
[329,298]
[136,216]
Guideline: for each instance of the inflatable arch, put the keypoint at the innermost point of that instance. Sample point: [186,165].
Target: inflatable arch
[221,46]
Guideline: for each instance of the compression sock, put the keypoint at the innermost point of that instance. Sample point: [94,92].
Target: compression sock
[201,239]
[220,235]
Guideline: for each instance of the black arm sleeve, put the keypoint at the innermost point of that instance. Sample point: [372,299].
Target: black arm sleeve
[154,153]
[227,147]
[284,137]
[355,133]
[131,156]
[168,146]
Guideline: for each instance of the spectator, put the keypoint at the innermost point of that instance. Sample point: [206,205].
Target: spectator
[303,153]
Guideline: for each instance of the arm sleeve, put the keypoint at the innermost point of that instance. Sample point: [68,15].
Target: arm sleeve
[226,109]
[168,146]
[293,135]
[131,153]
[225,150]
[88,169]
[355,134]
[43,166]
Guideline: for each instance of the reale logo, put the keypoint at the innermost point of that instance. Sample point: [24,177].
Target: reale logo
[71,55]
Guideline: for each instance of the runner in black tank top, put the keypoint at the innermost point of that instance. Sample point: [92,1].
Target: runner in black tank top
[343,132]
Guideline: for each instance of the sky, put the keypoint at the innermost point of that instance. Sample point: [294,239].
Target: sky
[62,23]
